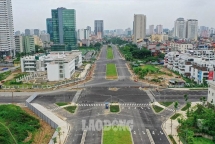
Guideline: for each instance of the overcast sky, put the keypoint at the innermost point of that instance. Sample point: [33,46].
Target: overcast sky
[117,14]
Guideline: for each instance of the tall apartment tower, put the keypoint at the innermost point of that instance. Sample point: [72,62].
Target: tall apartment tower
[151,29]
[37,32]
[99,28]
[64,27]
[159,29]
[139,27]
[49,27]
[7,40]
[89,29]
[192,29]
[28,32]
[180,28]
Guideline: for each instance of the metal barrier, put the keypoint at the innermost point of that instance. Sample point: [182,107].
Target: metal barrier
[41,115]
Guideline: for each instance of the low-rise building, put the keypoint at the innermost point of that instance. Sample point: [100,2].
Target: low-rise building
[196,65]
[59,65]
[181,47]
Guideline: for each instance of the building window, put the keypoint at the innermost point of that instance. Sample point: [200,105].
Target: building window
[212,94]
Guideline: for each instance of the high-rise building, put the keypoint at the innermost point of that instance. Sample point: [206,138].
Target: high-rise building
[83,34]
[25,44]
[7,40]
[28,43]
[159,29]
[139,25]
[99,28]
[17,33]
[37,32]
[180,28]
[49,27]
[28,32]
[151,29]
[45,37]
[119,31]
[64,27]
[89,29]
[19,43]
[192,29]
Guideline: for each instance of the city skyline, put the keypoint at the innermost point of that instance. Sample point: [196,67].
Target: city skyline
[123,11]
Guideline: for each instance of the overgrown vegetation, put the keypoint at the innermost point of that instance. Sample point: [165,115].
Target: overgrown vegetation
[157,109]
[18,122]
[199,121]
[71,109]
[4,75]
[191,83]
[132,52]
[114,108]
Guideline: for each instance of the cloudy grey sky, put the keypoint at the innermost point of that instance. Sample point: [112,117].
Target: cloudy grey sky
[115,13]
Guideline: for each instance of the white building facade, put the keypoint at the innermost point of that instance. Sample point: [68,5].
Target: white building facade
[180,28]
[7,40]
[198,65]
[139,26]
[151,29]
[159,29]
[192,29]
[59,65]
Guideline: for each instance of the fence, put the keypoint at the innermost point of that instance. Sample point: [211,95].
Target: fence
[6,65]
[42,116]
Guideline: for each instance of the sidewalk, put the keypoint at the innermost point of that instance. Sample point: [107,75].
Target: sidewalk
[166,126]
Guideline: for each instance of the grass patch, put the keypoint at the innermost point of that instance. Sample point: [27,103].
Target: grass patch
[150,68]
[111,71]
[185,108]
[114,108]
[166,104]
[120,136]
[172,139]
[61,103]
[109,53]
[175,116]
[157,109]
[4,75]
[201,140]
[71,108]
[19,123]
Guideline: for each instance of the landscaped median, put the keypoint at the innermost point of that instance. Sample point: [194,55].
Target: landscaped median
[111,72]
[67,106]
[116,135]
[114,108]
[109,53]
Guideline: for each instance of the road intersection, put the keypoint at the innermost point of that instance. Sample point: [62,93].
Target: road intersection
[135,103]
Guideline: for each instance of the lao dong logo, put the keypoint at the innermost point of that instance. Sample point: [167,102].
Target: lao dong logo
[98,125]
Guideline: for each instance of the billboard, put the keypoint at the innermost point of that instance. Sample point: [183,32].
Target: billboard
[210,75]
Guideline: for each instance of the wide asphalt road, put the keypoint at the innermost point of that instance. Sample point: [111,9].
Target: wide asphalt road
[124,76]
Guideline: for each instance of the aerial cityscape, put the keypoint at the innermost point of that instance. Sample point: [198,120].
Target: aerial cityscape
[107,72]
